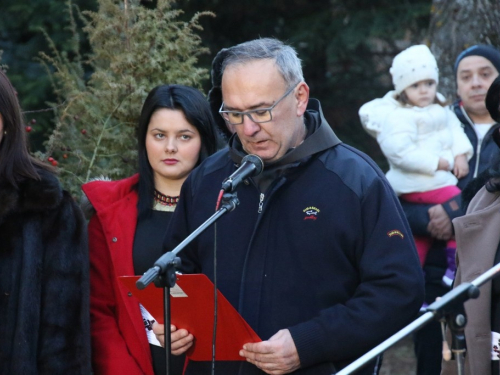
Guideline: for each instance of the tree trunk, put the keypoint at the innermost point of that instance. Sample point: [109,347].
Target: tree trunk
[456,25]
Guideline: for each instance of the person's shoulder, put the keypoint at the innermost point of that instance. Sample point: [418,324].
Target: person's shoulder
[213,163]
[353,167]
[483,199]
[456,108]
[40,194]
[104,184]
[374,114]
[102,191]
[437,111]
[401,115]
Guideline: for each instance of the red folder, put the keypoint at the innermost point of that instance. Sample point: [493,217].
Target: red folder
[192,307]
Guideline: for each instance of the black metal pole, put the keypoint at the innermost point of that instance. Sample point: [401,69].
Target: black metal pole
[163,271]
[161,265]
[166,328]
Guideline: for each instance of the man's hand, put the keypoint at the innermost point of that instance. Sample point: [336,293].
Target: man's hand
[276,356]
[181,340]
[440,224]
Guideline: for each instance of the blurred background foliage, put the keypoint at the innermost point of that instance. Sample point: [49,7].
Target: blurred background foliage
[346,47]
[22,39]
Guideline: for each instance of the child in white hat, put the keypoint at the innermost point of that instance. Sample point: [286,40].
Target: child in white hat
[423,140]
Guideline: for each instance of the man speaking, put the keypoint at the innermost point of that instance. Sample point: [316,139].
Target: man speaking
[318,257]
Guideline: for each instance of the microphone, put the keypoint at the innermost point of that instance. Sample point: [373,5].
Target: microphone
[251,165]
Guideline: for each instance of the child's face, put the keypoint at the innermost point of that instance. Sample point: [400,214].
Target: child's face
[422,93]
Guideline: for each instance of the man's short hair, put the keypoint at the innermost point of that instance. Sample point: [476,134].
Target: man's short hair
[488,52]
[285,57]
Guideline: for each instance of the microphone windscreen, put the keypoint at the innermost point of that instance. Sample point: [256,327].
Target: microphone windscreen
[256,161]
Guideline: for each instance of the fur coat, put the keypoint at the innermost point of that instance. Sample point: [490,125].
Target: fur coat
[44,286]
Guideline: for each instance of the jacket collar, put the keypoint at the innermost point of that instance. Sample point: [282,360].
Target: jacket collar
[319,137]
[462,114]
[102,193]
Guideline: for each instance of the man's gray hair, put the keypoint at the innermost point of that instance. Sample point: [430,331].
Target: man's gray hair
[285,57]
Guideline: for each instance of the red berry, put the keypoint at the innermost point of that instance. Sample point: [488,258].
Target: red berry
[51,159]
[65,156]
[54,163]
[84,131]
[28,129]
[33,121]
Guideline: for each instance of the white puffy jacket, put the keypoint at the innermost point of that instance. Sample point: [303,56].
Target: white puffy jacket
[413,139]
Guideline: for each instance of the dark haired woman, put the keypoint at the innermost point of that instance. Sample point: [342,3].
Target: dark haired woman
[44,319]
[478,249]
[176,132]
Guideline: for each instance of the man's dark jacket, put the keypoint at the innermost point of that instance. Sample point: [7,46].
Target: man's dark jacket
[44,286]
[483,152]
[325,251]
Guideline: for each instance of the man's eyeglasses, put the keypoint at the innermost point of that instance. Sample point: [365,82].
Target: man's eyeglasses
[256,115]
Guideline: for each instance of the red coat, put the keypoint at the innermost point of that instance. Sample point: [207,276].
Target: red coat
[119,341]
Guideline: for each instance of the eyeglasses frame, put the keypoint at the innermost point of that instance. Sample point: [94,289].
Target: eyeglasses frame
[249,113]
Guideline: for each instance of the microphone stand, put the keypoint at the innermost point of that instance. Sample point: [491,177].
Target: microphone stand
[449,308]
[163,271]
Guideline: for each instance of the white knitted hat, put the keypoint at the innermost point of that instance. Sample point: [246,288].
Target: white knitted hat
[414,64]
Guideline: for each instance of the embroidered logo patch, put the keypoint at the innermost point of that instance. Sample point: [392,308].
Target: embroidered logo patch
[395,232]
[311,213]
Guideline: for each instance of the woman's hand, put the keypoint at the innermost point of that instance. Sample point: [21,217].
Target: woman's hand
[181,339]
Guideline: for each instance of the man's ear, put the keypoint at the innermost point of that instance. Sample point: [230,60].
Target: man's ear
[302,98]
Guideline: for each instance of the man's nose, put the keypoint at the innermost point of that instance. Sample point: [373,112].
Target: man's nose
[476,80]
[250,127]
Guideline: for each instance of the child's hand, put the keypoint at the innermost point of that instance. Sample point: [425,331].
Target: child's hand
[443,165]
[461,168]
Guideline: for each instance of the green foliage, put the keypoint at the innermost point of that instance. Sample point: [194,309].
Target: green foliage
[346,47]
[3,67]
[133,49]
[21,22]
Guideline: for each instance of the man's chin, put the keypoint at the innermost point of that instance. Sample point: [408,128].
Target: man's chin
[477,98]
[264,153]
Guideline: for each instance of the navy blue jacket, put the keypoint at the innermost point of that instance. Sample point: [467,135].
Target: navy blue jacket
[483,152]
[325,252]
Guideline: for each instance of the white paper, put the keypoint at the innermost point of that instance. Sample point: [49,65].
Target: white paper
[148,325]
[495,346]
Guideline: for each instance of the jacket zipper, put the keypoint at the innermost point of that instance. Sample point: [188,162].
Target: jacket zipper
[478,155]
[479,141]
[271,190]
[261,203]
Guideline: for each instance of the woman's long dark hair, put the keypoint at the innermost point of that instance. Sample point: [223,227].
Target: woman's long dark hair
[196,109]
[16,163]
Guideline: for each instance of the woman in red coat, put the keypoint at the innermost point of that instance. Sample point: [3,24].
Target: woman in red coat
[176,132]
